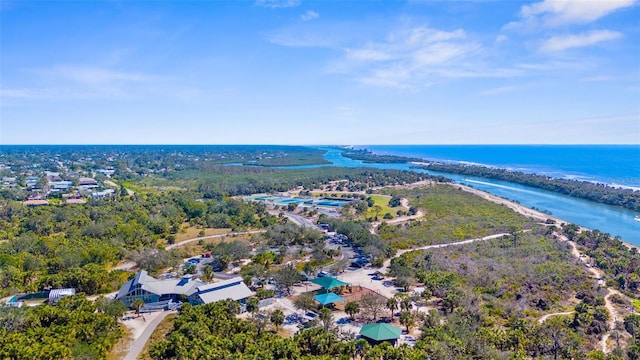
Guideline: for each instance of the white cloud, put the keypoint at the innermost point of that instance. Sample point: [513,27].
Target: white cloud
[65,82]
[54,93]
[304,37]
[412,58]
[600,78]
[16,93]
[275,4]
[408,57]
[564,42]
[367,55]
[309,15]
[393,76]
[501,90]
[501,38]
[553,13]
[90,75]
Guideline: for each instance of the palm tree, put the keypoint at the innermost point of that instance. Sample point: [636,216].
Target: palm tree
[277,318]
[326,317]
[405,301]
[207,273]
[137,304]
[407,319]
[351,308]
[362,348]
[252,305]
[392,304]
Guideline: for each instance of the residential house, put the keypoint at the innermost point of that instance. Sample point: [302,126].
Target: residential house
[9,182]
[32,181]
[87,182]
[35,202]
[61,185]
[103,193]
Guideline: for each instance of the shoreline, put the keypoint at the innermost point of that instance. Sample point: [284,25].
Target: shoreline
[426,163]
[526,168]
[523,210]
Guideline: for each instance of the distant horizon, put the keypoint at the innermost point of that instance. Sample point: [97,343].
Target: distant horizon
[315,145]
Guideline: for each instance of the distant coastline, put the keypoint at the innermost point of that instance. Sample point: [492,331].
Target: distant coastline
[622,196]
[613,165]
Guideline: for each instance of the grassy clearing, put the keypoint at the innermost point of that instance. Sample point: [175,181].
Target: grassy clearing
[137,188]
[189,232]
[383,202]
[158,334]
[199,247]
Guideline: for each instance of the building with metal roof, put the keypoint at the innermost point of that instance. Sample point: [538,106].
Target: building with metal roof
[234,289]
[57,294]
[152,290]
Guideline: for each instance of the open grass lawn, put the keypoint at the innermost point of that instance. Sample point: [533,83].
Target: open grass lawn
[383,202]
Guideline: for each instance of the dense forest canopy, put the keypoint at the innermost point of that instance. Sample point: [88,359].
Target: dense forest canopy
[73,246]
[75,328]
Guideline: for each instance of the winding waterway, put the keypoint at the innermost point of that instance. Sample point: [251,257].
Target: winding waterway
[612,220]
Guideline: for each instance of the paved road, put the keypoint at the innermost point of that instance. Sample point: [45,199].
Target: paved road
[296,219]
[138,344]
[301,221]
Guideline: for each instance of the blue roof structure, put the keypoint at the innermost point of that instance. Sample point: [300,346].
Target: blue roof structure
[328,298]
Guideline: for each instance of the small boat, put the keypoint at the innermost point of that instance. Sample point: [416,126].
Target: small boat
[637,218]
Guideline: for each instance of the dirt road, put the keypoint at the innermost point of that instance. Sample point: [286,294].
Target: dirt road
[185,242]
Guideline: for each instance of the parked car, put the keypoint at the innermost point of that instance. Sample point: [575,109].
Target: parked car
[310,315]
[304,276]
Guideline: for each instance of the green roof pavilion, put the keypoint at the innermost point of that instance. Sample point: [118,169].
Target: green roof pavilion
[380,332]
[328,282]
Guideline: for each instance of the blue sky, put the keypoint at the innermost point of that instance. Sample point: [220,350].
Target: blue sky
[320,72]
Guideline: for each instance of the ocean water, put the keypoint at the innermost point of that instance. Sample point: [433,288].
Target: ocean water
[617,165]
[613,220]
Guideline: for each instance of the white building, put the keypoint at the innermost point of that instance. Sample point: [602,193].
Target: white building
[57,294]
